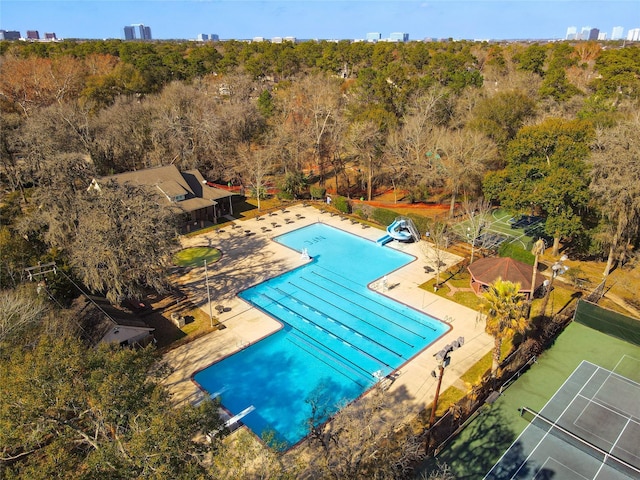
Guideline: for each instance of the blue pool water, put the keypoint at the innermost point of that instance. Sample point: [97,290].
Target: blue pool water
[336,334]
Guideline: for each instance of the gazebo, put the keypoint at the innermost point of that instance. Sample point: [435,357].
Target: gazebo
[485,271]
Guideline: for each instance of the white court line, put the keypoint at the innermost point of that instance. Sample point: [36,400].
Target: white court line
[561,414]
[620,361]
[565,466]
[528,426]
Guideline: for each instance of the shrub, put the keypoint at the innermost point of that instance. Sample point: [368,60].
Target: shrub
[421,223]
[341,204]
[383,216]
[317,192]
[282,195]
[361,214]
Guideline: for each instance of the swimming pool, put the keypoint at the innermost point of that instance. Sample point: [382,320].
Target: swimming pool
[338,336]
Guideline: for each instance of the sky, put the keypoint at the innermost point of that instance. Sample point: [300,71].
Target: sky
[319,19]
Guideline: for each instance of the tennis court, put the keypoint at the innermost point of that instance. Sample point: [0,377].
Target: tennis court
[589,429]
[496,230]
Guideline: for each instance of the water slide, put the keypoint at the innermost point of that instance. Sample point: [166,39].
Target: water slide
[402,229]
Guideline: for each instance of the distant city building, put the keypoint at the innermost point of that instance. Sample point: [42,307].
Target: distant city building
[633,35]
[593,34]
[50,36]
[617,33]
[276,40]
[9,35]
[584,33]
[33,35]
[290,39]
[572,33]
[399,37]
[207,37]
[602,36]
[373,37]
[258,39]
[137,31]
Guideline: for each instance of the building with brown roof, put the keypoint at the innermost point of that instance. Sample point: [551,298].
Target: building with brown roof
[485,271]
[186,192]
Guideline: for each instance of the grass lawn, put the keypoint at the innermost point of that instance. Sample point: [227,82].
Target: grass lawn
[197,324]
[195,256]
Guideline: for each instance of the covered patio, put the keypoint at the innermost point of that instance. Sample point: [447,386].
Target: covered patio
[485,271]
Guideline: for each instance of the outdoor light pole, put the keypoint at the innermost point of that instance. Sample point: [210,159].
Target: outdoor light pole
[558,268]
[443,359]
[206,276]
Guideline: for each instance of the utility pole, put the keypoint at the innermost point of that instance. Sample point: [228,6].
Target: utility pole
[558,268]
[443,359]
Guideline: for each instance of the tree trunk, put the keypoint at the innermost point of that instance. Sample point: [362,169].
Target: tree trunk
[369,180]
[607,268]
[533,276]
[452,207]
[496,355]
[556,245]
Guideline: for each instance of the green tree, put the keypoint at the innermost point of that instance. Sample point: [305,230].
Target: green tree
[532,59]
[618,73]
[68,411]
[265,104]
[294,184]
[504,318]
[546,172]
[556,85]
[502,115]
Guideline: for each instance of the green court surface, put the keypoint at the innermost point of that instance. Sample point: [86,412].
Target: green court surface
[482,443]
[195,256]
[497,224]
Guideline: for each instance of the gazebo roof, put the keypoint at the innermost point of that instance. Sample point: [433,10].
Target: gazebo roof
[487,270]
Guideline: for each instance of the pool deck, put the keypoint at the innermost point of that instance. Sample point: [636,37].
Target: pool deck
[248,259]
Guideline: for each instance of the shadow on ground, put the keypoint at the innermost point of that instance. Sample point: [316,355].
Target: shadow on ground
[472,454]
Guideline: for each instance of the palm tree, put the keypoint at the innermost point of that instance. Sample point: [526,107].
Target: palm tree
[504,304]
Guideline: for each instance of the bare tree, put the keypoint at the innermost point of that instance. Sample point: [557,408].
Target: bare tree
[366,141]
[245,456]
[476,218]
[254,164]
[125,240]
[366,439]
[614,174]
[409,147]
[464,156]
[434,248]
[118,239]
[19,310]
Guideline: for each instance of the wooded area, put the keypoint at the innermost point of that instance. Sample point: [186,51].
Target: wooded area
[544,129]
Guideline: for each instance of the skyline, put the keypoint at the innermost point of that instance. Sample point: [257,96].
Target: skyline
[321,19]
